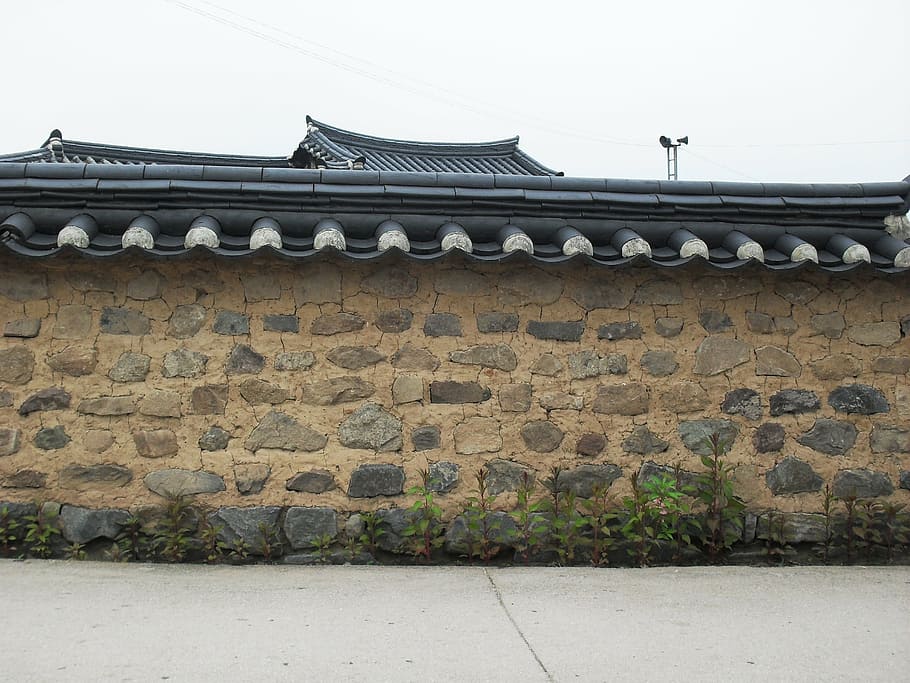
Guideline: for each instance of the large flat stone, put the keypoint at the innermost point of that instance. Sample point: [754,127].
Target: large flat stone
[74,321]
[336,323]
[248,525]
[209,399]
[745,402]
[442,325]
[832,437]
[584,480]
[497,321]
[186,321]
[304,525]
[392,283]
[793,402]
[231,323]
[585,364]
[75,361]
[281,431]
[24,287]
[860,399]
[395,321]
[875,334]
[337,390]
[107,406]
[371,427]
[184,363]
[496,356]
[161,404]
[622,399]
[354,357]
[889,439]
[176,482]
[82,525]
[570,330]
[92,477]
[16,365]
[156,443]
[243,360]
[130,367]
[311,481]
[505,475]
[478,435]
[643,441]
[258,392]
[24,328]
[775,362]
[371,480]
[626,329]
[696,434]
[51,438]
[769,438]
[791,527]
[862,483]
[412,358]
[123,321]
[792,475]
[458,392]
[541,436]
[716,355]
[684,397]
[592,294]
[10,440]
[52,398]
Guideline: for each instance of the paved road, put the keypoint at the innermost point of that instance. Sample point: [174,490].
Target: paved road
[93,621]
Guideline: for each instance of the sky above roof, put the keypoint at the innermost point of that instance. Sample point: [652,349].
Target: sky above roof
[785,91]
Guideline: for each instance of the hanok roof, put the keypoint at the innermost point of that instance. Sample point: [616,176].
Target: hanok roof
[124,200]
[323,147]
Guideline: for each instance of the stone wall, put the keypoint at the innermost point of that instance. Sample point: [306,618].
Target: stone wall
[330,385]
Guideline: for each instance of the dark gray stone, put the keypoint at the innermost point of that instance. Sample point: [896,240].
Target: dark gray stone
[82,525]
[186,321]
[92,477]
[557,331]
[17,365]
[745,402]
[792,475]
[458,392]
[371,480]
[73,360]
[24,479]
[590,444]
[354,357]
[791,527]
[393,283]
[215,439]
[714,321]
[24,328]
[244,361]
[889,439]
[668,327]
[281,323]
[585,479]
[496,356]
[107,406]
[461,538]
[891,365]
[769,438]
[425,438]
[209,399]
[304,525]
[371,427]
[541,436]
[130,367]
[832,437]
[6,398]
[793,402]
[627,329]
[51,438]
[862,483]
[442,325]
[659,363]
[231,323]
[395,321]
[311,481]
[336,390]
[249,525]
[585,364]
[175,482]
[687,480]
[758,322]
[281,431]
[394,523]
[505,475]
[295,360]
[184,363]
[336,323]
[831,325]
[52,398]
[860,399]
[695,434]
[411,358]
[643,441]
[443,476]
[905,479]
[124,321]
[497,321]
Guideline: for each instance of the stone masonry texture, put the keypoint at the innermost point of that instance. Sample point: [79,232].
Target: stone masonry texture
[347,369]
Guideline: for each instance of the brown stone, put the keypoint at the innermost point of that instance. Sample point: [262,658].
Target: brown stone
[889,439]
[91,477]
[251,479]
[107,406]
[336,390]
[684,397]
[260,287]
[98,440]
[412,358]
[775,362]
[407,389]
[318,284]
[477,435]
[659,292]
[281,431]
[875,334]
[392,283]
[156,443]
[528,286]
[6,398]
[712,288]
[547,365]
[395,321]
[161,404]
[796,291]
[593,294]
[24,328]
[561,400]
[336,323]
[642,441]
[716,355]
[659,363]
[831,325]
[186,321]
[837,366]
[75,361]
[496,356]
[146,286]
[73,322]
[10,440]
[668,327]
[258,391]
[541,436]
[760,323]
[891,365]
[184,363]
[515,398]
[24,287]
[209,399]
[52,398]
[354,357]
[25,479]
[622,399]
[312,481]
[16,365]
[591,444]
[460,282]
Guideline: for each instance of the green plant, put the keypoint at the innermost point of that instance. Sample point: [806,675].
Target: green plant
[723,508]
[353,547]
[75,551]
[598,521]
[638,527]
[895,527]
[173,538]
[8,535]
[116,554]
[269,543]
[673,521]
[239,550]
[482,524]
[133,544]
[213,546]
[827,510]
[322,545]
[530,525]
[372,531]
[426,524]
[850,526]
[40,530]
[867,534]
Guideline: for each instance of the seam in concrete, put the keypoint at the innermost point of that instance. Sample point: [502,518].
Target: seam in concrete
[515,625]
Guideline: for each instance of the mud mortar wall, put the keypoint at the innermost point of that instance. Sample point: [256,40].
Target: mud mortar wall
[272,384]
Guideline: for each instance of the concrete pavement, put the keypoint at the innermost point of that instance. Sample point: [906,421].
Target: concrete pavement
[98,621]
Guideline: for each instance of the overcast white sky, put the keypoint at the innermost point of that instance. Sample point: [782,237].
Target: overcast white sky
[768,90]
